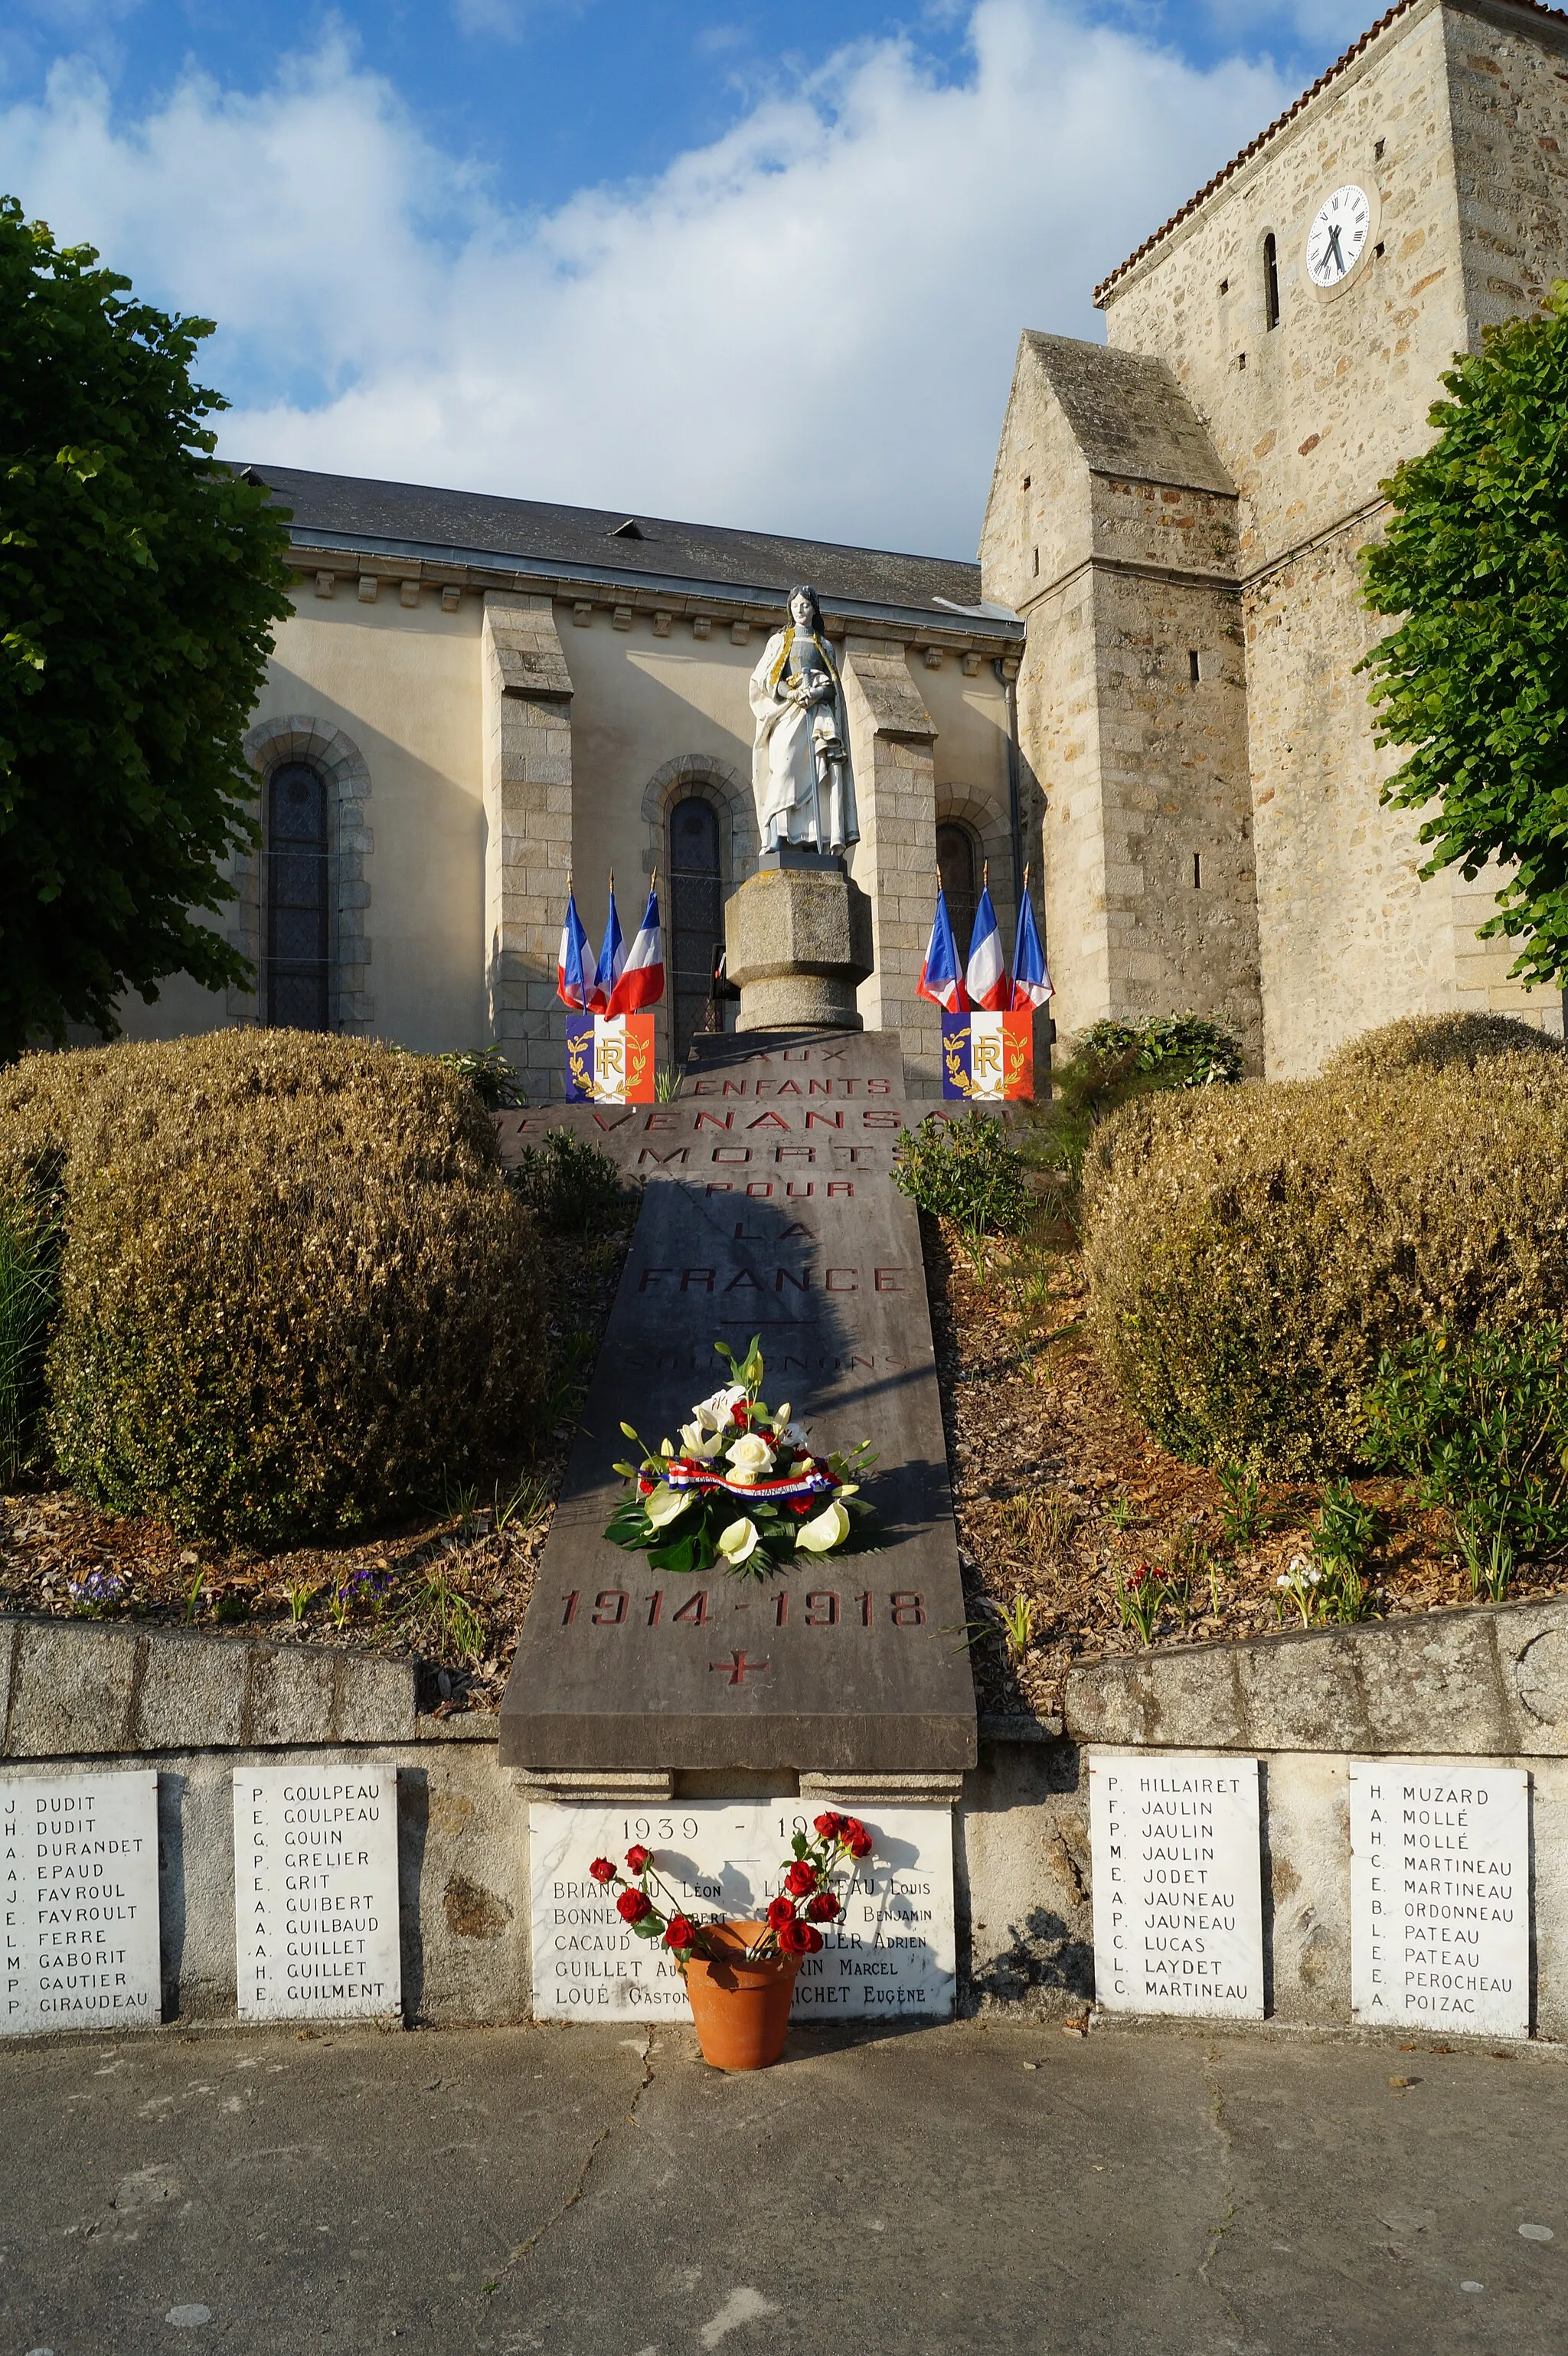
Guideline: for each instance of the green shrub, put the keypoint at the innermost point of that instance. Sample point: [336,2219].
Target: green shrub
[571,1185]
[29,1240]
[1254,1252]
[295,1287]
[1185,1051]
[966,1171]
[1438,1043]
[1480,1421]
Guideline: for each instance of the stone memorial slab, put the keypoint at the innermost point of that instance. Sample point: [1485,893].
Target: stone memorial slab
[892,1956]
[316,1892]
[78,1889]
[1178,1884]
[1440,1895]
[770,1210]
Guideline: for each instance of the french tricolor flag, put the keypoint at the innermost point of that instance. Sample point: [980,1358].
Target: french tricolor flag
[939,980]
[576,976]
[986,982]
[1033,984]
[639,975]
[612,962]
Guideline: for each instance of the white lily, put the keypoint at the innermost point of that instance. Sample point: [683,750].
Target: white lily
[695,1441]
[824,1531]
[713,1413]
[739,1542]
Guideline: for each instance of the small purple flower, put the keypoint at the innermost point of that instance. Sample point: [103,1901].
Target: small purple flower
[365,1585]
[97,1587]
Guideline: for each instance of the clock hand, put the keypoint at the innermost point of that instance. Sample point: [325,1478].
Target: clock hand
[1334,253]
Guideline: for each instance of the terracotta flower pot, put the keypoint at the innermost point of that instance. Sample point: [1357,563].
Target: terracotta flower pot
[741,2006]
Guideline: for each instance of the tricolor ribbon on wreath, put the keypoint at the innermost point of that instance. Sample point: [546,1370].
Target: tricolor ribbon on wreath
[609,1024]
[987,1015]
[680,1473]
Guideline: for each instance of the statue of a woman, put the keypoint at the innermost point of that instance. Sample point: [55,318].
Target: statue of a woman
[800,761]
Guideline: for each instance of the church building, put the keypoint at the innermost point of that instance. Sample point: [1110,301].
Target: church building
[1145,689]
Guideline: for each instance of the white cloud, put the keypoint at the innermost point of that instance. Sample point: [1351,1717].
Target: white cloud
[807,326]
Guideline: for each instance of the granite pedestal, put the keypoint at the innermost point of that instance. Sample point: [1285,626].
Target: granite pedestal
[797,945]
[769,1209]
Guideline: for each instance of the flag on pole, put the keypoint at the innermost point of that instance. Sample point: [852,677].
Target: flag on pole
[639,978]
[939,980]
[576,977]
[612,959]
[985,982]
[1033,984]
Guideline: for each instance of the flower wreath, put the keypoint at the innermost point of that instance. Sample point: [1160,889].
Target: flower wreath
[682,1509]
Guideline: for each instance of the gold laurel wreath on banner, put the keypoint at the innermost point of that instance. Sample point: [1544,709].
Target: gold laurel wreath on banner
[577,1069]
[637,1050]
[953,1045]
[1017,1059]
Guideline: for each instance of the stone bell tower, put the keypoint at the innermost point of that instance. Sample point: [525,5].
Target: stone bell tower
[1180,517]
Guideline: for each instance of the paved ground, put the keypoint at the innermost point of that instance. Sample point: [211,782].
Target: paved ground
[986,2188]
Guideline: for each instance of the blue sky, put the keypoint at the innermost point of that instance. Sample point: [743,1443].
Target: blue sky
[757,264]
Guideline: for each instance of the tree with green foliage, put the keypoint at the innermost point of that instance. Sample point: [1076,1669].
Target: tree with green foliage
[139,584]
[1474,680]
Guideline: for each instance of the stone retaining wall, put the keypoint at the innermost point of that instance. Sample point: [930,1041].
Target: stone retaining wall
[1491,1683]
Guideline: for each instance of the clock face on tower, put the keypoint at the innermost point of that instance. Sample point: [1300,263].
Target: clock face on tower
[1338,237]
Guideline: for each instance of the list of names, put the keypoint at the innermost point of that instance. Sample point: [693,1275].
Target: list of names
[891,1954]
[78,1899]
[316,1892]
[1440,1895]
[1177,1887]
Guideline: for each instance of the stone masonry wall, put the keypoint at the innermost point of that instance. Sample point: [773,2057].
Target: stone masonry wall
[1310,417]
[527,692]
[892,737]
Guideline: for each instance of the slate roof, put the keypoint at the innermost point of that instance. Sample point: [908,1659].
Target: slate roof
[596,545]
[1401,8]
[1129,416]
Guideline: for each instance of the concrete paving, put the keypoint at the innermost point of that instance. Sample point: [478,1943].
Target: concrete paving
[994,2187]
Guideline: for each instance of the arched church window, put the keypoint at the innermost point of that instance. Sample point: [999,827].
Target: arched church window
[1271,280]
[697,916]
[298,977]
[959,868]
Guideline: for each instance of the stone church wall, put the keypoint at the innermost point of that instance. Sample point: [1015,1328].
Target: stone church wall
[1310,418]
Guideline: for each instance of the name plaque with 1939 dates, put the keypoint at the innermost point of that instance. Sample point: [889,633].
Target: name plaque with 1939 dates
[1178,1884]
[316,1892]
[892,1955]
[78,1901]
[1440,1895]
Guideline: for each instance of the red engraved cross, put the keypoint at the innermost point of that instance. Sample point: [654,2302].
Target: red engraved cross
[737,1667]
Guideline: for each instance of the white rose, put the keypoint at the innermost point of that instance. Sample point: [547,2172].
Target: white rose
[829,1529]
[666,1503]
[739,1542]
[713,1413]
[695,1441]
[750,1457]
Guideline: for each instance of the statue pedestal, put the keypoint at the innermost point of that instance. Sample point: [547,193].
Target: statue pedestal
[797,945]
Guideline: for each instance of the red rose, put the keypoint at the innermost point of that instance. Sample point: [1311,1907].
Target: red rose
[632,1907]
[800,1878]
[829,1826]
[637,1858]
[644,1486]
[739,1413]
[795,1938]
[780,1912]
[813,1938]
[680,1933]
[602,1870]
[860,1843]
[800,1505]
[824,1908]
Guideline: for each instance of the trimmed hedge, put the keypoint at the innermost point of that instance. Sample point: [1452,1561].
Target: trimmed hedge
[295,1289]
[1251,1253]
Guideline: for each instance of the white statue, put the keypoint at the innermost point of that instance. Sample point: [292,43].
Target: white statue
[800,761]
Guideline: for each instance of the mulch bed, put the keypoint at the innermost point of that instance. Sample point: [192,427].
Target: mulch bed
[1059,1495]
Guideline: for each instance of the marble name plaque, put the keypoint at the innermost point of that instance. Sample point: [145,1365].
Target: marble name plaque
[891,1955]
[316,1892]
[1440,1895]
[79,1894]
[1178,1884]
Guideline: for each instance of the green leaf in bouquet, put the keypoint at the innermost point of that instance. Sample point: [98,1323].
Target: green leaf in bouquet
[800,1845]
[676,1555]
